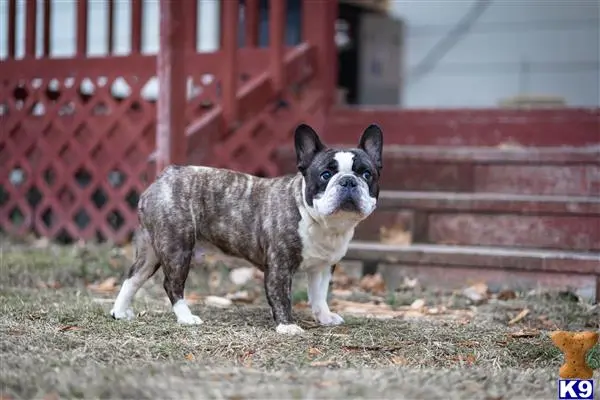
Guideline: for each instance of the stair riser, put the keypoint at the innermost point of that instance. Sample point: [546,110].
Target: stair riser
[561,232]
[572,180]
[458,278]
[540,178]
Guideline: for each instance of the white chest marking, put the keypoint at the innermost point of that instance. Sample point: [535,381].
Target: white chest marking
[322,246]
[345,160]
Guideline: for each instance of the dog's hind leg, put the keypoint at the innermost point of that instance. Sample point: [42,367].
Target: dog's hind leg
[145,265]
[175,252]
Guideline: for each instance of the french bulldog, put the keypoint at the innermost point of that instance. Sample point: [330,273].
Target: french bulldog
[299,222]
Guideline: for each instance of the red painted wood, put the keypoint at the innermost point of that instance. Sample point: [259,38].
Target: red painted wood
[30,28]
[82,27]
[191,25]
[172,77]
[251,23]
[229,28]
[12,27]
[276,42]
[469,127]
[46,26]
[136,25]
[111,26]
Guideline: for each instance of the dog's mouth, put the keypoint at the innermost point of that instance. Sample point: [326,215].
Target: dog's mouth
[349,205]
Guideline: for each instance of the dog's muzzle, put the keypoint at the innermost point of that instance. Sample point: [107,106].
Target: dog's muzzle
[349,194]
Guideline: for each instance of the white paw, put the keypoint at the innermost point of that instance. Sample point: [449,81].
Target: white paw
[289,329]
[189,320]
[126,314]
[329,319]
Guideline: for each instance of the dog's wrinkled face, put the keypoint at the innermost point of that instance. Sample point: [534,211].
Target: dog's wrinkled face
[340,182]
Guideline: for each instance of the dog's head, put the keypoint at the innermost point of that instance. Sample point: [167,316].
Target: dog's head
[337,182]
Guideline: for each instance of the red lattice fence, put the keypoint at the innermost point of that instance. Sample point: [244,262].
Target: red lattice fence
[74,153]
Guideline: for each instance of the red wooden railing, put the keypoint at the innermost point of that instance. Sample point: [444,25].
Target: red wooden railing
[73,161]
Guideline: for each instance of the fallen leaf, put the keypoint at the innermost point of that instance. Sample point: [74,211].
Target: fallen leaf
[519,316]
[108,285]
[341,293]
[418,304]
[398,360]
[313,352]
[396,235]
[341,280]
[68,328]
[241,297]
[410,283]
[192,298]
[525,333]
[324,384]
[373,283]
[241,276]
[477,293]
[216,301]
[326,363]
[190,357]
[246,358]
[506,295]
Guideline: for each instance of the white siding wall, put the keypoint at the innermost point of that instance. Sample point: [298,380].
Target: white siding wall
[540,47]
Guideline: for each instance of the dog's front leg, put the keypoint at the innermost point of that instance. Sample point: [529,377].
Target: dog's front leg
[278,287]
[318,286]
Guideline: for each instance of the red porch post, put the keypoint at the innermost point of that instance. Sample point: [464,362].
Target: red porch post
[229,46]
[318,29]
[172,78]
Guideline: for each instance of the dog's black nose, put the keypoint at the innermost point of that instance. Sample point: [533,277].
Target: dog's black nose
[347,181]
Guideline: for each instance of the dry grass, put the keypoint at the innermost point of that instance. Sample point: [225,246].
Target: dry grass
[57,341]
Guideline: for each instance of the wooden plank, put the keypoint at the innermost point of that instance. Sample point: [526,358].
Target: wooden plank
[111,27]
[82,28]
[490,203]
[30,28]
[229,77]
[251,16]
[170,132]
[46,38]
[276,42]
[136,25]
[477,257]
[12,28]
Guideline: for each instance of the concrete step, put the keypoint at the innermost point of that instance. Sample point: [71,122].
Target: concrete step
[504,169]
[487,219]
[507,267]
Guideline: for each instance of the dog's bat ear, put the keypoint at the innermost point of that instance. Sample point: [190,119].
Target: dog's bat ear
[371,142]
[307,145]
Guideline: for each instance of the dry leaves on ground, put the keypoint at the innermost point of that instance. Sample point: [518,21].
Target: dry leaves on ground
[525,333]
[477,293]
[519,316]
[382,310]
[373,284]
[395,235]
[108,285]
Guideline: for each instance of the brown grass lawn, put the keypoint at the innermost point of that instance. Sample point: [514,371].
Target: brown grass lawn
[57,340]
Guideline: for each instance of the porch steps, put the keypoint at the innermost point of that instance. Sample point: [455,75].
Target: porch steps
[568,171]
[500,268]
[488,219]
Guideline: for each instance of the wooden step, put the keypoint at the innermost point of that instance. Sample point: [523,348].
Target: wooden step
[461,264]
[488,219]
[507,169]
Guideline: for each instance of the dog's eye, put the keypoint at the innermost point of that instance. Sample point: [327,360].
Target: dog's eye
[367,176]
[326,175]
